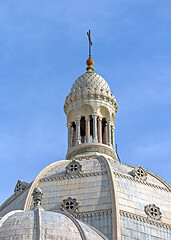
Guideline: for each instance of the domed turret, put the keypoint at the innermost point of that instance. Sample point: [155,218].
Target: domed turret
[90,108]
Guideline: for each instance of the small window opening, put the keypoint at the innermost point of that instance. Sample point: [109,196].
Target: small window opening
[69,205]
[140,172]
[74,167]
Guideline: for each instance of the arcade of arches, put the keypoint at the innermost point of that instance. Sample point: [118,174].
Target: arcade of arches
[92,128]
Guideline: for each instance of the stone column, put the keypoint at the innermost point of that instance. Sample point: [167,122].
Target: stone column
[100,130]
[78,130]
[87,126]
[95,128]
[109,132]
[113,136]
[69,135]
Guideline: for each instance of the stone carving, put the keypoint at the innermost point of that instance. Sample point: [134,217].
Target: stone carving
[117,174]
[139,173]
[70,205]
[37,197]
[85,158]
[74,168]
[153,212]
[81,215]
[92,174]
[144,219]
[20,187]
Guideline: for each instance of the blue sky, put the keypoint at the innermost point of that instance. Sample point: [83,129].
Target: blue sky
[43,49]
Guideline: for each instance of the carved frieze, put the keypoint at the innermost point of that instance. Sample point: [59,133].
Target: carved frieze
[144,219]
[69,176]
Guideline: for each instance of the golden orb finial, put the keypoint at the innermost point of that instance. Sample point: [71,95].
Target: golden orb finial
[90,63]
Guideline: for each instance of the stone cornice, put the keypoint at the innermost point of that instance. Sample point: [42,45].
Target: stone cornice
[117,174]
[93,213]
[145,219]
[91,157]
[122,213]
[155,176]
[88,94]
[49,179]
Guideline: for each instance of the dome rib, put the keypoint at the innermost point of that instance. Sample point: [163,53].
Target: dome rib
[82,234]
[114,199]
[79,227]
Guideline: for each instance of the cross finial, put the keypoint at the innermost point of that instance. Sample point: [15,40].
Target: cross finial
[90,61]
[90,42]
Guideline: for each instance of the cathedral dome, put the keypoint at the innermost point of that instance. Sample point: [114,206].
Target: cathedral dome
[121,201]
[40,224]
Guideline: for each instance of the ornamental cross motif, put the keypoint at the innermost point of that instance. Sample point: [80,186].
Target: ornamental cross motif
[139,173]
[90,42]
[74,168]
[153,212]
[70,205]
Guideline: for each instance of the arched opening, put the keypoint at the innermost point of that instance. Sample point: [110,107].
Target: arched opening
[104,131]
[91,129]
[73,134]
[82,129]
[86,129]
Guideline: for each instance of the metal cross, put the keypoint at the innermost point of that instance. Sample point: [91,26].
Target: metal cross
[90,42]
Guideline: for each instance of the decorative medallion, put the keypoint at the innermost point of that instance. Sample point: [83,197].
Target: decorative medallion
[70,205]
[153,212]
[74,168]
[139,173]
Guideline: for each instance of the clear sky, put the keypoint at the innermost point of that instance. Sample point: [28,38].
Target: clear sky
[43,49]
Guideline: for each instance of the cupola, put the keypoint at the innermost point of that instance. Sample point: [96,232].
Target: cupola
[90,108]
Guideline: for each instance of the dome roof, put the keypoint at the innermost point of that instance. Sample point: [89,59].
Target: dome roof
[90,80]
[90,85]
[40,224]
[95,185]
